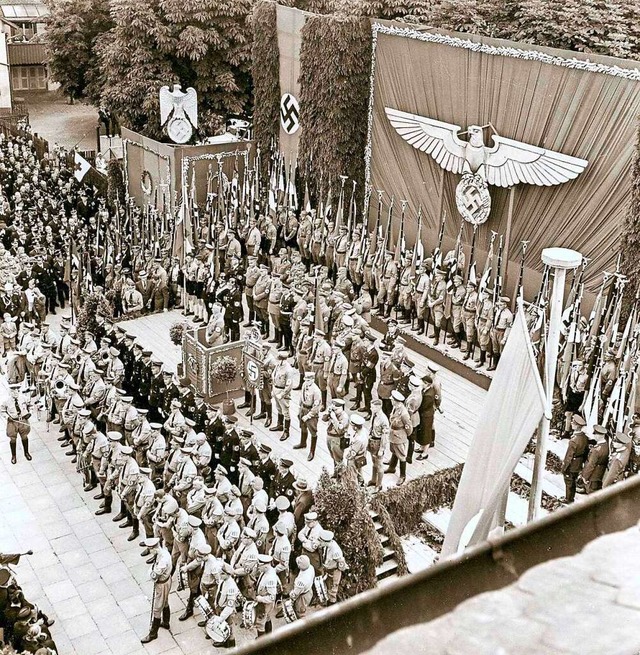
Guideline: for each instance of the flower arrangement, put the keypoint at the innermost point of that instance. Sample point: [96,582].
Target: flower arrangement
[95,303]
[176,332]
[342,507]
[224,370]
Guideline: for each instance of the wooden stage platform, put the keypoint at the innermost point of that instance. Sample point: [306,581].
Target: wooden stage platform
[461,404]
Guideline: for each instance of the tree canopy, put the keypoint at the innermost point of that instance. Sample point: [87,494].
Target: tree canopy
[72,29]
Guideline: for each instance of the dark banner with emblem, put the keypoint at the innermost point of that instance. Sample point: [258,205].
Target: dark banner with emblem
[290,24]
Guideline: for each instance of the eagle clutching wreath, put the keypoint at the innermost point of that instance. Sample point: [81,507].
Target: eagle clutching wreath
[179,112]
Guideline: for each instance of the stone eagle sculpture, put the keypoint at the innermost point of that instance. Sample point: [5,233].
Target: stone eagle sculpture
[505,164]
[178,112]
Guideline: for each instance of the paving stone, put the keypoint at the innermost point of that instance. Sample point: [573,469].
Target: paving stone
[93,590]
[90,644]
[70,608]
[124,643]
[104,558]
[79,626]
[60,591]
[135,605]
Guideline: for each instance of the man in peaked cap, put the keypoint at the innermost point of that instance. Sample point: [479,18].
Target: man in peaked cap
[575,457]
[621,446]
[161,575]
[502,322]
[594,469]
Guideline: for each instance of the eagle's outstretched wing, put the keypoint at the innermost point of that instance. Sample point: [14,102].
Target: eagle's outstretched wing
[166,104]
[437,139]
[190,105]
[511,162]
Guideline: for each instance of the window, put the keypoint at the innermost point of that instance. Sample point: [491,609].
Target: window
[28,78]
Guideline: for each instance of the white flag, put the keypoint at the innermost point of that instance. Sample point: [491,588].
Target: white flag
[513,408]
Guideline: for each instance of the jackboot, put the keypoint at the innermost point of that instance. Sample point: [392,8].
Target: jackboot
[153,632]
[269,418]
[135,532]
[12,445]
[481,361]
[279,425]
[166,618]
[393,462]
[122,514]
[492,363]
[285,434]
[312,452]
[324,399]
[247,401]
[436,336]
[188,609]
[25,448]
[106,509]
[410,452]
[403,474]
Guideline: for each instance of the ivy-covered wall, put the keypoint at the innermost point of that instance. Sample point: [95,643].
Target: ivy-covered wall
[335,65]
[266,82]
[630,242]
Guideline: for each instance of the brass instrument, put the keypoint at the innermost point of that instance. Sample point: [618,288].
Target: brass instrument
[183,581]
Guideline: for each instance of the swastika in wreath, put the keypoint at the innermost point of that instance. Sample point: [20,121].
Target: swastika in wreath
[289,113]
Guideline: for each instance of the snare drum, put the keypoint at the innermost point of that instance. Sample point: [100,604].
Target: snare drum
[249,613]
[289,611]
[320,587]
[218,630]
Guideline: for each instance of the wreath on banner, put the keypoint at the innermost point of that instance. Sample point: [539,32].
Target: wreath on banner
[146,182]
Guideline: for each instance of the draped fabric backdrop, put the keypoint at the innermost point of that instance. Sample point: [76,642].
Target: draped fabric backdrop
[585,114]
[290,24]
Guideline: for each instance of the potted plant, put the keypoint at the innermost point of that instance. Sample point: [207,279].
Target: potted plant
[224,370]
[176,332]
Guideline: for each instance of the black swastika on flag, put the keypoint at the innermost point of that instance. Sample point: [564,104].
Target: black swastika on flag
[289,113]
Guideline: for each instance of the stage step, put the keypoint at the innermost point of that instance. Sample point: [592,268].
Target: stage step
[386,569]
[387,553]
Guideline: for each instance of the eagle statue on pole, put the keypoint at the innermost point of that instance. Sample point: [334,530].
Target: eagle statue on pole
[179,112]
[505,164]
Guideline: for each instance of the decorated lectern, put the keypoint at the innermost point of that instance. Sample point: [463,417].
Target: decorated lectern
[202,365]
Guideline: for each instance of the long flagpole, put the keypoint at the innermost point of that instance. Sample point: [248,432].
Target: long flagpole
[561,260]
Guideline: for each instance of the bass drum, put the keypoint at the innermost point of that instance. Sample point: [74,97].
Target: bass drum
[249,614]
[218,630]
[289,611]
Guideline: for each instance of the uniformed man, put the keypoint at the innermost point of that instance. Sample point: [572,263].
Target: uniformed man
[161,576]
[333,564]
[280,550]
[144,502]
[318,360]
[608,375]
[435,300]
[484,320]
[228,535]
[267,589]
[282,386]
[500,329]
[302,592]
[621,451]
[252,275]
[183,478]
[387,281]
[156,453]
[193,564]
[597,461]
[244,562]
[356,453]
[283,479]
[457,303]
[164,518]
[337,422]
[310,408]
[400,429]
[337,371]
[469,307]
[15,411]
[269,364]
[226,599]
[287,303]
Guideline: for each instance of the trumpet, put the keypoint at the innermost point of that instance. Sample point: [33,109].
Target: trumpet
[105,356]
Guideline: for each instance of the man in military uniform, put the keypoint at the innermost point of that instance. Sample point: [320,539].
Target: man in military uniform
[369,365]
[156,391]
[161,576]
[267,589]
[252,276]
[287,303]
[457,302]
[303,348]
[435,302]
[337,371]
[420,289]
[318,360]
[15,411]
[597,461]
[378,443]
[400,429]
[269,364]
[283,480]
[484,321]
[261,292]
[310,407]
[608,375]
[333,564]
[273,308]
[405,287]
[500,329]
[469,317]
[144,503]
[337,422]
[282,385]
[390,376]
[388,279]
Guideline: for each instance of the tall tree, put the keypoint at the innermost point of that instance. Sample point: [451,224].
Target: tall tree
[205,44]
[72,29]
